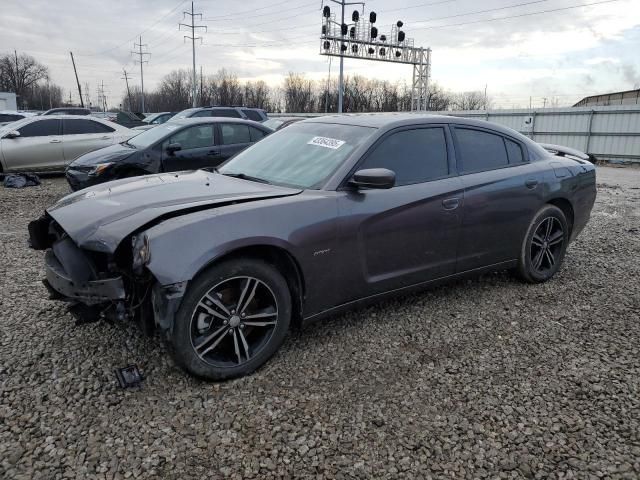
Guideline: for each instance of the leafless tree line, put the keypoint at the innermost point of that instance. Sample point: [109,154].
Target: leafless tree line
[29,80]
[297,93]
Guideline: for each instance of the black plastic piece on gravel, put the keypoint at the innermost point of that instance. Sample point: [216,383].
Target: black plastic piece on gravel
[129,376]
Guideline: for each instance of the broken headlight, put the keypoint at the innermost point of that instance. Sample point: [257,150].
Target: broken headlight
[141,250]
[99,168]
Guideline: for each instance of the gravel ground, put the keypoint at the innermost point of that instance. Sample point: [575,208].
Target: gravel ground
[485,378]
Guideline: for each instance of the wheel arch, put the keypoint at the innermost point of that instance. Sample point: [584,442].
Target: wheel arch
[567,208]
[282,260]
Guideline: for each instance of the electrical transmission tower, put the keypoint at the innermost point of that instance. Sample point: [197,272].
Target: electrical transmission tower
[141,60]
[193,39]
[102,96]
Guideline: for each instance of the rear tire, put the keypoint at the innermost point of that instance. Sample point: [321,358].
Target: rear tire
[544,245]
[233,318]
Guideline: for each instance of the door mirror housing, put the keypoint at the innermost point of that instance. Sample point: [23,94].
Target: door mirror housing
[173,148]
[373,178]
[12,134]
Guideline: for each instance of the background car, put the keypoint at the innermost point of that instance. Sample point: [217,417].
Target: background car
[154,119]
[68,111]
[324,215]
[9,116]
[186,144]
[255,114]
[111,116]
[129,119]
[278,123]
[49,143]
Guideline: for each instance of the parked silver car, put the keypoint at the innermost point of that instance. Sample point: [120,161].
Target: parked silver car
[52,142]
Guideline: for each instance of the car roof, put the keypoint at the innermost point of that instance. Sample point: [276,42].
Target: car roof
[392,120]
[192,120]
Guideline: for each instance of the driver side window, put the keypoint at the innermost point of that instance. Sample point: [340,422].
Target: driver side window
[200,136]
[415,156]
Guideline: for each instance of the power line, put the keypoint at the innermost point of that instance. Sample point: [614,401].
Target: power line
[193,39]
[135,36]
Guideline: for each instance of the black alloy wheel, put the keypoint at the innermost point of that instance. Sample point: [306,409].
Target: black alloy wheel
[544,245]
[232,319]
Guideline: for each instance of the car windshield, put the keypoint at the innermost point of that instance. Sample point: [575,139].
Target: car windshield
[302,156]
[273,123]
[185,113]
[150,137]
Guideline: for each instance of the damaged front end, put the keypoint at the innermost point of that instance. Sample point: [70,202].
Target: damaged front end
[97,285]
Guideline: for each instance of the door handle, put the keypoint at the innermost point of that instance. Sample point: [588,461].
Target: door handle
[450,203]
[531,183]
[213,152]
[106,137]
[55,141]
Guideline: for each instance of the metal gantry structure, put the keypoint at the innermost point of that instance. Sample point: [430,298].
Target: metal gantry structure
[142,61]
[193,27]
[361,39]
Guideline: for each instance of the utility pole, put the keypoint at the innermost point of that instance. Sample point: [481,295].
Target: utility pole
[141,59]
[86,94]
[193,39]
[126,79]
[485,95]
[343,32]
[544,102]
[77,81]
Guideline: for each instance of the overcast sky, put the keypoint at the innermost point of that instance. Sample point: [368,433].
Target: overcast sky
[562,54]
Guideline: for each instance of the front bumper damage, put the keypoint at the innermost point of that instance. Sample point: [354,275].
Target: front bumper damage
[95,287]
[89,292]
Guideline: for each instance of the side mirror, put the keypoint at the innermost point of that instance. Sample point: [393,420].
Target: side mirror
[173,148]
[373,178]
[12,134]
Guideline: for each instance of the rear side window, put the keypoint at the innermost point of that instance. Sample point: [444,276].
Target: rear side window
[79,127]
[478,150]
[5,117]
[252,115]
[202,113]
[415,156]
[256,134]
[226,112]
[514,151]
[233,133]
[42,128]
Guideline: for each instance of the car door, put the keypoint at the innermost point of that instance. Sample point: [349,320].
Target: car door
[38,148]
[502,192]
[197,149]
[82,135]
[234,137]
[406,234]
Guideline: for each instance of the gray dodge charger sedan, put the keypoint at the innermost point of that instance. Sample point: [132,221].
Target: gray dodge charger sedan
[324,215]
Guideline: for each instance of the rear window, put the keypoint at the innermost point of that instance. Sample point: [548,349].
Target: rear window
[41,128]
[514,150]
[6,117]
[478,150]
[256,134]
[225,112]
[79,127]
[233,133]
[252,115]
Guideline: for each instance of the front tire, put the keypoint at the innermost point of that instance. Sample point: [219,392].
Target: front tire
[233,318]
[544,245]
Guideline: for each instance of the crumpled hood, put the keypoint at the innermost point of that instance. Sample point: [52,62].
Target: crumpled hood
[99,218]
[111,153]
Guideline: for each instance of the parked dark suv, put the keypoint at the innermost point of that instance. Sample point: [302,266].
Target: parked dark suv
[255,114]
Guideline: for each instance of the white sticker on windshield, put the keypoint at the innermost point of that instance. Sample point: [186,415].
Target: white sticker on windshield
[332,143]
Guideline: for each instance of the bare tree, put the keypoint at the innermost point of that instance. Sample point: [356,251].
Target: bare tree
[18,73]
[299,94]
[469,101]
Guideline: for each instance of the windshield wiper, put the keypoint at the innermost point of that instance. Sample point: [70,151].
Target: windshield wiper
[126,142]
[244,176]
